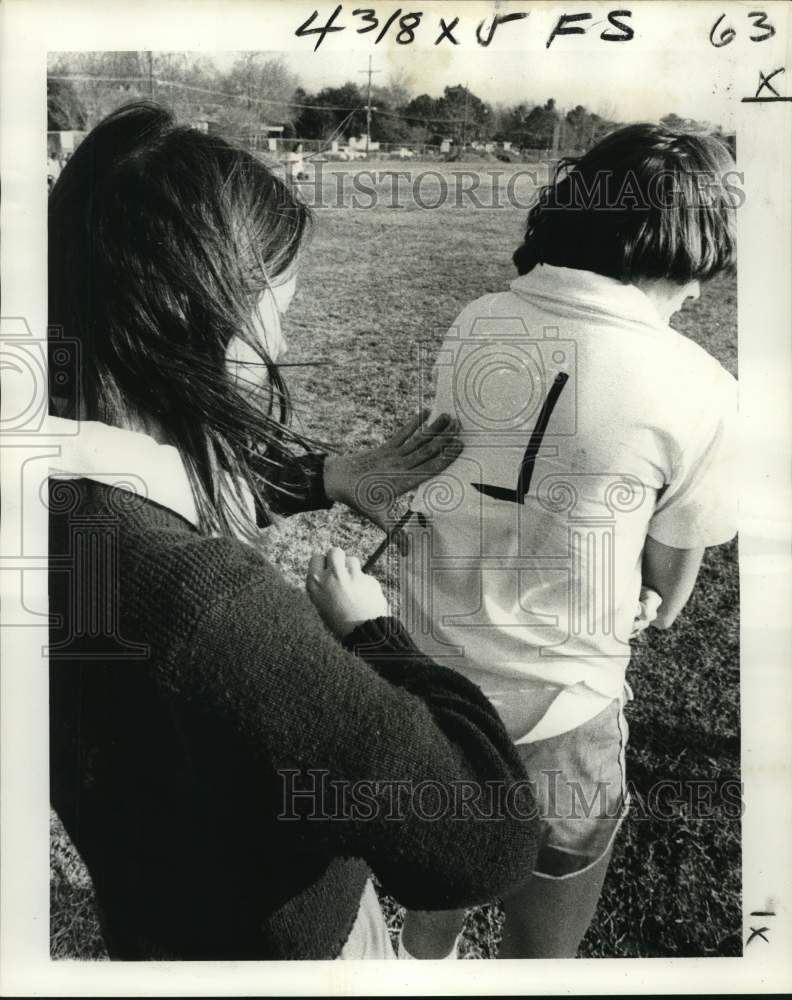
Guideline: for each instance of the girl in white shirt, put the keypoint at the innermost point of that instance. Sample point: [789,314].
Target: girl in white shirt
[596,470]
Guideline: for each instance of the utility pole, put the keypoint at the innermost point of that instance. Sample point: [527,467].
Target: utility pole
[150,74]
[465,119]
[559,132]
[370,73]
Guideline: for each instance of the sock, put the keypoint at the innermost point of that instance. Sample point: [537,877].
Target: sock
[402,952]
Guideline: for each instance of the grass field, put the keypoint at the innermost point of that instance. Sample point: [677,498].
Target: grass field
[374,283]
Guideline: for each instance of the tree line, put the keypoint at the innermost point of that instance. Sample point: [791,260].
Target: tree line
[257,91]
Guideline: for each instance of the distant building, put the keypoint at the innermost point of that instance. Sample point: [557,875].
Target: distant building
[262,137]
[257,136]
[362,143]
[207,125]
[60,145]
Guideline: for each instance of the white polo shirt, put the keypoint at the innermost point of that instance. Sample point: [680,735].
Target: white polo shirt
[588,423]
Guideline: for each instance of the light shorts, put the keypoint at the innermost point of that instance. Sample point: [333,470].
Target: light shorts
[581,791]
[369,937]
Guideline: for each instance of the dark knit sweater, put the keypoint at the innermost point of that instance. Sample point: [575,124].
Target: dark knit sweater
[191,687]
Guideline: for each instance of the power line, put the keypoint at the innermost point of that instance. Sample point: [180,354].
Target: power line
[370,73]
[90,78]
[337,131]
[86,78]
[421,120]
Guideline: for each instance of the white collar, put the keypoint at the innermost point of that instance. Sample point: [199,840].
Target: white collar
[577,293]
[129,460]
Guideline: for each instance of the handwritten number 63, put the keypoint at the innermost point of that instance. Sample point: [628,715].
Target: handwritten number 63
[727,34]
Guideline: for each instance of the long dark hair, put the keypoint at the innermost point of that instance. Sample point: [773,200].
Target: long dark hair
[162,239]
[644,202]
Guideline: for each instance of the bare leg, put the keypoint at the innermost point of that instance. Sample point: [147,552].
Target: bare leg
[431,933]
[548,917]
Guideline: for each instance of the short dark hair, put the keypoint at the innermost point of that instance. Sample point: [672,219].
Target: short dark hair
[161,241]
[644,202]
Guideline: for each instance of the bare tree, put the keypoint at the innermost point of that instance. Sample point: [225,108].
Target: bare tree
[186,82]
[264,91]
[397,91]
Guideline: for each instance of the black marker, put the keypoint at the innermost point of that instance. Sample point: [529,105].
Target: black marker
[386,541]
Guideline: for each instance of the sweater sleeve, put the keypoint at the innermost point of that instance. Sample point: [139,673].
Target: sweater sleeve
[402,762]
[297,486]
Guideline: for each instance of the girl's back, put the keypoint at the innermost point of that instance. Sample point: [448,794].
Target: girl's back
[588,424]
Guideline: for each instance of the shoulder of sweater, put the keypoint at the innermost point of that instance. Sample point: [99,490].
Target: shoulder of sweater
[206,568]
[161,549]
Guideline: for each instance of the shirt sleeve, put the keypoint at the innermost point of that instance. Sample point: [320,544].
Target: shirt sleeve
[698,507]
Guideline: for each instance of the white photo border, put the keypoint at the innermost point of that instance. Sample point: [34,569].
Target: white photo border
[31,28]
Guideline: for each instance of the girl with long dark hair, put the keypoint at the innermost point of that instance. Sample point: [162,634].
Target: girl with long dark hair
[230,769]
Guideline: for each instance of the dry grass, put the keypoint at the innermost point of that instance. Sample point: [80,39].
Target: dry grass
[374,284]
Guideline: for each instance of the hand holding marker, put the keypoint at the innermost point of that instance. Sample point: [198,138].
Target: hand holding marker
[395,534]
[389,537]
